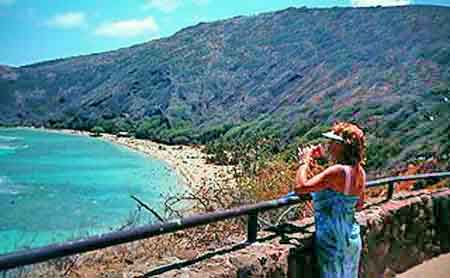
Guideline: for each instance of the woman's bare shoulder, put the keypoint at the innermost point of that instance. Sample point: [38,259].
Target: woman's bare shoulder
[345,168]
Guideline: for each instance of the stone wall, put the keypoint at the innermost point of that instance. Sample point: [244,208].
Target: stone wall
[404,232]
[401,233]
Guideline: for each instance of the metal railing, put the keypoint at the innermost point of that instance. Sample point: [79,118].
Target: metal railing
[41,254]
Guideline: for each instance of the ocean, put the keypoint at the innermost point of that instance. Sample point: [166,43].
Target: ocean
[56,187]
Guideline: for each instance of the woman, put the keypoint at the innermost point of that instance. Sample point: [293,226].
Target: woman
[336,193]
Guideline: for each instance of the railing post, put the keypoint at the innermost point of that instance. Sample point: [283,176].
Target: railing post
[390,190]
[252,227]
[302,262]
[293,269]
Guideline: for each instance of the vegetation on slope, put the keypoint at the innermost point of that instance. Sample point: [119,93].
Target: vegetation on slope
[286,74]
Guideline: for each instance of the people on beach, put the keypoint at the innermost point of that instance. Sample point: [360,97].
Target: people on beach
[336,193]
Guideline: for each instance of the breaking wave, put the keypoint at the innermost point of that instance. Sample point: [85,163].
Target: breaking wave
[8,187]
[9,138]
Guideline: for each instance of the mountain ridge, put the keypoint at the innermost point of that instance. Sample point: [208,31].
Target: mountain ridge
[287,73]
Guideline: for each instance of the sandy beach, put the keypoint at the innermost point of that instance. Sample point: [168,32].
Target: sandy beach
[188,161]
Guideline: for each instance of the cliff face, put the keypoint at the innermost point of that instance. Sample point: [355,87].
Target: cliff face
[386,68]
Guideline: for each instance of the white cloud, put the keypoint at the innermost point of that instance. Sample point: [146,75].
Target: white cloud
[368,3]
[7,2]
[68,20]
[127,28]
[166,6]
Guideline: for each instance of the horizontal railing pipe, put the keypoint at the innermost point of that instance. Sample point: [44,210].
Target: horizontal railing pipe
[41,254]
[407,178]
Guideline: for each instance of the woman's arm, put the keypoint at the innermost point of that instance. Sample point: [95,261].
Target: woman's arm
[362,195]
[330,177]
[362,198]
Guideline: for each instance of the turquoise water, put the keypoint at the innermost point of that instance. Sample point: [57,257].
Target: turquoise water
[55,187]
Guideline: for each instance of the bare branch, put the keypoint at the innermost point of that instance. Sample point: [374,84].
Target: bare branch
[144,205]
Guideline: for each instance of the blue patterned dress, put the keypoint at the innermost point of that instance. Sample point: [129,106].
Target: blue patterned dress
[337,239]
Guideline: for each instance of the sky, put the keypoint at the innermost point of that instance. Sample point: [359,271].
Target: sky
[38,30]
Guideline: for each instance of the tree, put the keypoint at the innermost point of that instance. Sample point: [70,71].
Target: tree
[97,130]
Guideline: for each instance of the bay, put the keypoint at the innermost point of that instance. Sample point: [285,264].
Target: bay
[55,187]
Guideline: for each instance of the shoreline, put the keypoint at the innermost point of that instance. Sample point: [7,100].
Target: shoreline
[189,162]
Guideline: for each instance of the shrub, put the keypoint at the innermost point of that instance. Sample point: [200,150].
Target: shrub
[148,128]
[97,130]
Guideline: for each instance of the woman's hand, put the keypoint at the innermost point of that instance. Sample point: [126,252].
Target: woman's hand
[317,152]
[310,152]
[302,154]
